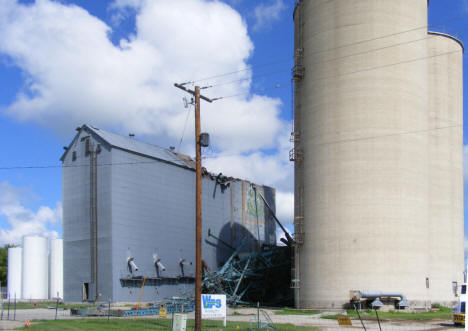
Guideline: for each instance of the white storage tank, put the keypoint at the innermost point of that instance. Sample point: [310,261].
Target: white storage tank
[14,277]
[56,268]
[35,268]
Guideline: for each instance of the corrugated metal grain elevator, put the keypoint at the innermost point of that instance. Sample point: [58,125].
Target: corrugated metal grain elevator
[129,213]
[378,153]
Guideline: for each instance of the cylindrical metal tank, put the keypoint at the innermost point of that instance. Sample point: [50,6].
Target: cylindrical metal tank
[56,268]
[35,268]
[14,272]
[446,261]
[361,147]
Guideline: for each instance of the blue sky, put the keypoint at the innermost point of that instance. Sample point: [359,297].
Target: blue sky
[112,64]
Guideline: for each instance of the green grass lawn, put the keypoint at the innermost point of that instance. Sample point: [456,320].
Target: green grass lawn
[291,311]
[146,324]
[442,313]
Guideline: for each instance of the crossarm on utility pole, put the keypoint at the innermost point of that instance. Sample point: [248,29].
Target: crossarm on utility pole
[182,87]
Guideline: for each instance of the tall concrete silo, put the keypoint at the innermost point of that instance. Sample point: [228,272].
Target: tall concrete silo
[362,178]
[35,268]
[14,272]
[446,165]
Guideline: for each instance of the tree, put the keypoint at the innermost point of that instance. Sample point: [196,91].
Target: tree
[4,264]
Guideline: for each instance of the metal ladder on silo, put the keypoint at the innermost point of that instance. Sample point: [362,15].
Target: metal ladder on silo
[296,154]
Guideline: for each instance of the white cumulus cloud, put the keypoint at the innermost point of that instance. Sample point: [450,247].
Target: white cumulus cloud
[75,74]
[285,207]
[267,13]
[23,221]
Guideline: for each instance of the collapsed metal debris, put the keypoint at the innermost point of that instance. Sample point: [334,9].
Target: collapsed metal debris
[260,276]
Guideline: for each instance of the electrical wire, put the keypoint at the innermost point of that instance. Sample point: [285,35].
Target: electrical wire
[249,78]
[233,154]
[430,36]
[355,72]
[281,61]
[261,65]
[185,127]
[365,138]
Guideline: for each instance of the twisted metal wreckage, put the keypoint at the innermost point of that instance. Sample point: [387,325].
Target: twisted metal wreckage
[261,276]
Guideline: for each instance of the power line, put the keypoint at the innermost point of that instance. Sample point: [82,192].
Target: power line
[253,77]
[76,165]
[430,36]
[365,138]
[185,127]
[357,71]
[234,154]
[261,65]
[244,69]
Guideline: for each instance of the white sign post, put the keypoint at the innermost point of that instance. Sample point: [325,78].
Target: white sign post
[213,306]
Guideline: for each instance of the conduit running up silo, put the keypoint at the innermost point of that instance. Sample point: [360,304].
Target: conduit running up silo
[361,149]
[14,272]
[35,268]
[56,268]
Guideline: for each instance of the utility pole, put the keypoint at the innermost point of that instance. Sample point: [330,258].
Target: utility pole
[198,202]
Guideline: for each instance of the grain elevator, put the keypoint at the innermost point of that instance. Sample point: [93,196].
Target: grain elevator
[129,219]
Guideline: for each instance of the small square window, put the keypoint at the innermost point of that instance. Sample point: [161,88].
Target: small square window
[74,155]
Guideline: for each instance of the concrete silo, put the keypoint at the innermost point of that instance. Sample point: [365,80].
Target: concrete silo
[56,268]
[14,272]
[445,164]
[362,180]
[35,268]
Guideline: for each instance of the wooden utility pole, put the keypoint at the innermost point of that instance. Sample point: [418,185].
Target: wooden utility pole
[198,208]
[198,203]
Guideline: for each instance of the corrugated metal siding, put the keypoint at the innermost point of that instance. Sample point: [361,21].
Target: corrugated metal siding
[76,225]
[145,208]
